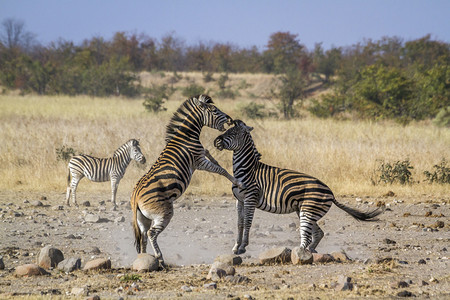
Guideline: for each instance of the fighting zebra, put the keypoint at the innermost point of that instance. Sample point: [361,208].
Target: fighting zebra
[153,196]
[102,169]
[277,190]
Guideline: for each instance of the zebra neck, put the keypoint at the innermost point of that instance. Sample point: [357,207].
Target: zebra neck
[245,161]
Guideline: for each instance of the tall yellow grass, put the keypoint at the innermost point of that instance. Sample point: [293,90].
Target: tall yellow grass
[343,154]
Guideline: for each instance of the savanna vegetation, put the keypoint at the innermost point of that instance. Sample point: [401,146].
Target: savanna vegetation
[366,118]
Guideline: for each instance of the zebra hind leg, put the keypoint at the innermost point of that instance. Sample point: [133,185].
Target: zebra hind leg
[73,186]
[317,235]
[159,224]
[240,223]
[306,227]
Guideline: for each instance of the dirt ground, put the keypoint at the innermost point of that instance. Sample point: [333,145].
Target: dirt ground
[383,253]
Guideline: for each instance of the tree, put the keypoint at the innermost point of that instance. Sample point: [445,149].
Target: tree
[293,87]
[326,63]
[283,52]
[14,35]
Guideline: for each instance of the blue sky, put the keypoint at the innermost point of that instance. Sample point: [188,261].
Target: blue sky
[243,23]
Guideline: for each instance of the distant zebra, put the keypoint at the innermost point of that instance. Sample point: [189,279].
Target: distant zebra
[277,190]
[154,194]
[102,169]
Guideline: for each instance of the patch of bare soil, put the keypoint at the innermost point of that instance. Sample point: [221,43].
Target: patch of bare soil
[404,253]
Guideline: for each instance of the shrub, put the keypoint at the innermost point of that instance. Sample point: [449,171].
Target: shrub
[398,172]
[192,90]
[254,110]
[441,173]
[156,95]
[208,77]
[65,153]
[443,117]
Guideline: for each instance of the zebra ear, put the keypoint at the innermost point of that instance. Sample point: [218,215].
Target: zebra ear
[248,128]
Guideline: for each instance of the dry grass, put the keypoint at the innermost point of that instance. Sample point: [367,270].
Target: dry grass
[343,154]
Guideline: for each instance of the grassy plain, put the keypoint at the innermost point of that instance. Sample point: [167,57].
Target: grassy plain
[344,154]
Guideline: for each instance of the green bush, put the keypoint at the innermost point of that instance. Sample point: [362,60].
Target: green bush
[441,173]
[443,117]
[155,98]
[65,153]
[398,172]
[208,77]
[192,90]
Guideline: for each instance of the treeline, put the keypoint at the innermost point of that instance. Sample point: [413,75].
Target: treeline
[388,78]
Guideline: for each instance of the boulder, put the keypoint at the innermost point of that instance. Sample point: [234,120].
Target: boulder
[49,257]
[340,256]
[30,270]
[145,263]
[275,255]
[320,258]
[70,264]
[96,264]
[344,283]
[300,256]
[231,259]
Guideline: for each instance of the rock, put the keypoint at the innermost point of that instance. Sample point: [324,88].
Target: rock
[422,262]
[119,219]
[58,207]
[405,294]
[70,264]
[344,283]
[95,250]
[86,203]
[49,257]
[79,291]
[231,259]
[399,284]
[322,258]
[340,256]
[434,280]
[96,264]
[91,218]
[186,288]
[390,242]
[2,264]
[95,297]
[275,255]
[300,256]
[37,203]
[30,270]
[215,274]
[236,279]
[210,286]
[145,263]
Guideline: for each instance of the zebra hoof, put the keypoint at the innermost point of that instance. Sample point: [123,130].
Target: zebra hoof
[240,251]
[301,256]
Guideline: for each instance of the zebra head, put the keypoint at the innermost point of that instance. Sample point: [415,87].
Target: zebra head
[234,138]
[212,116]
[135,151]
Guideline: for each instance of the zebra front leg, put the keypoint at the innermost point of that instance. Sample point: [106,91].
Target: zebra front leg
[249,211]
[73,186]
[240,225]
[206,165]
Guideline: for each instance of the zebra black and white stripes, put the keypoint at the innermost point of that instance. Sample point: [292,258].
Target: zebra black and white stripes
[153,196]
[277,190]
[102,169]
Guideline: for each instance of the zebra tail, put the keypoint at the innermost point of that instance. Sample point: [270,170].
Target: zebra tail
[137,232]
[359,215]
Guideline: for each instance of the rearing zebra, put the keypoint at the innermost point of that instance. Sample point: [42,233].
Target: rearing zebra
[277,190]
[102,169]
[154,194]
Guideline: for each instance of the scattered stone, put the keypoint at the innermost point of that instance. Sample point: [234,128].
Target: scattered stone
[70,264]
[30,270]
[434,280]
[340,256]
[322,258]
[428,214]
[91,218]
[145,263]
[43,198]
[58,207]
[231,259]
[215,274]
[86,203]
[210,286]
[422,262]
[424,283]
[276,255]
[96,264]
[119,219]
[2,264]
[438,224]
[49,257]
[37,203]
[186,288]
[399,285]
[236,279]
[389,194]
[390,242]
[406,214]
[77,291]
[95,250]
[301,256]
[95,297]
[344,283]
[405,294]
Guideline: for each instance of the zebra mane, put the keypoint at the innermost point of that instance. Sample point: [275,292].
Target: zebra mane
[122,148]
[180,115]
